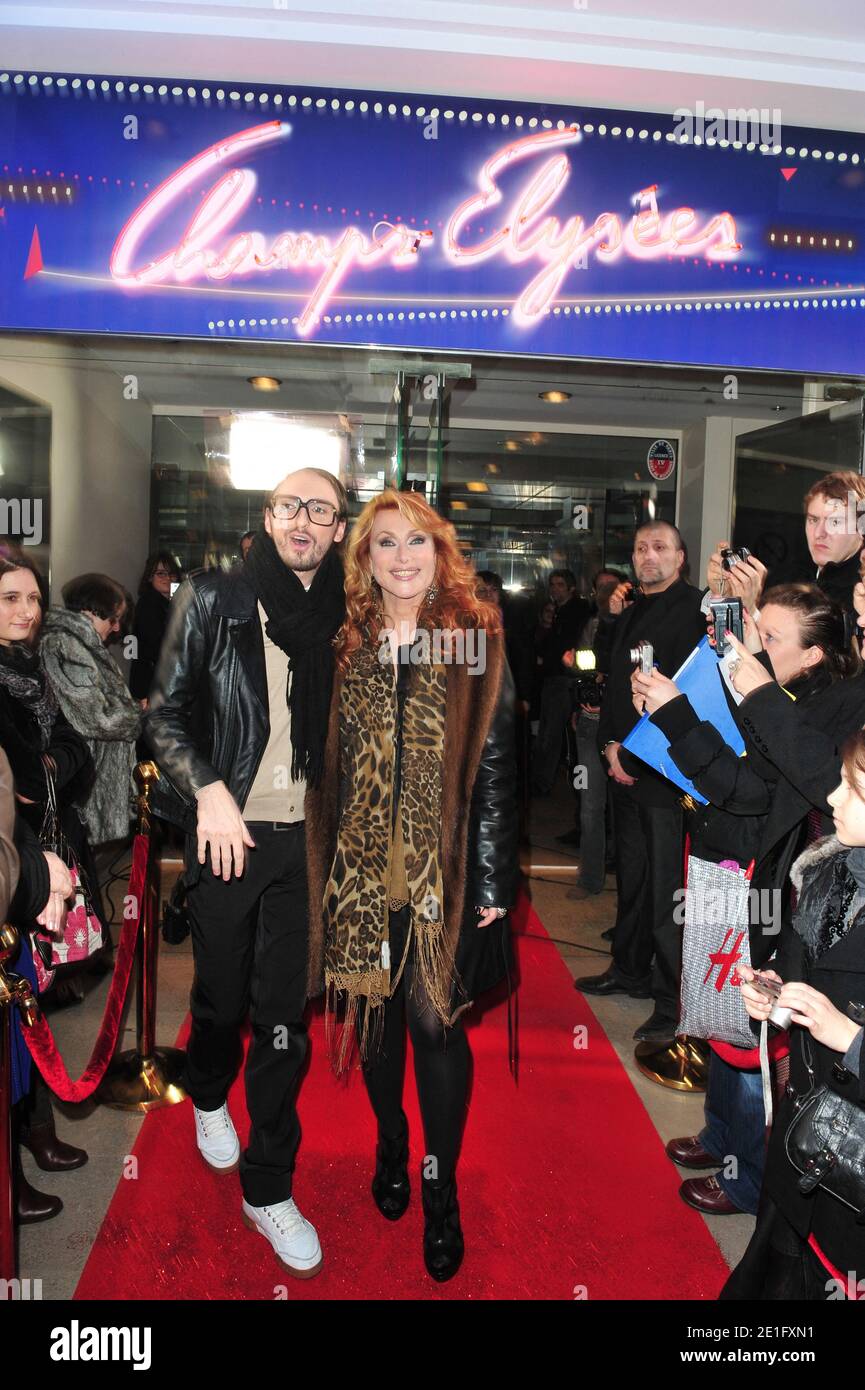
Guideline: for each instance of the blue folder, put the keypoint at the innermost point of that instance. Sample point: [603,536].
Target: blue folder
[698,678]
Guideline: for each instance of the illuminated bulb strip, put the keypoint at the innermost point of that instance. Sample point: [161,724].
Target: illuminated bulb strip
[365,316]
[807,241]
[49,82]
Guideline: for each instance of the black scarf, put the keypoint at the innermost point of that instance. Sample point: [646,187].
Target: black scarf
[23,675]
[303,622]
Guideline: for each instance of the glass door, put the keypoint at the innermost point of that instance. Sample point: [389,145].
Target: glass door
[776,466]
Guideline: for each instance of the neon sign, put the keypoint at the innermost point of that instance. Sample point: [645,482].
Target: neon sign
[561,246]
[529,231]
[286,214]
[248,251]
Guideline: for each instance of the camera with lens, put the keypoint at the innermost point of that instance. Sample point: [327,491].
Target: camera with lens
[729,558]
[587,688]
[643,657]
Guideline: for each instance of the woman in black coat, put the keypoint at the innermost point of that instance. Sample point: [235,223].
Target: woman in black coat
[756,818]
[151,618]
[35,734]
[43,887]
[807,1242]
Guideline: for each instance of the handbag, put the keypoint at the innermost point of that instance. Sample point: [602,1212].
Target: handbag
[82,931]
[715,939]
[825,1142]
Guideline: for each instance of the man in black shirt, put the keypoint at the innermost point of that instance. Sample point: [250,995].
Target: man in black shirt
[647,812]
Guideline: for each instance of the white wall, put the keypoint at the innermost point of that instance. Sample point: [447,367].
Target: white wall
[100,458]
[707,462]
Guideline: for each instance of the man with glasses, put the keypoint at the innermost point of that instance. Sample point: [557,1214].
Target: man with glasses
[238,721]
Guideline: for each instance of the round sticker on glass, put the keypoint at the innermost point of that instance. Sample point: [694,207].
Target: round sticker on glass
[661,460]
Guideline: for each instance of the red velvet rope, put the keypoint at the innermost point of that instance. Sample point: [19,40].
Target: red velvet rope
[40,1039]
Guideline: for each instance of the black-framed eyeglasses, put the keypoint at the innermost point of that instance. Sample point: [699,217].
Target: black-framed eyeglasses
[319,512]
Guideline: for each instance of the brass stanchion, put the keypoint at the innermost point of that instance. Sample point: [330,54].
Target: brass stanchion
[147,1076]
[682,1065]
[15,992]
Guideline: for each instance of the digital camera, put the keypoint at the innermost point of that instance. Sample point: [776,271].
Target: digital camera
[729,558]
[643,657]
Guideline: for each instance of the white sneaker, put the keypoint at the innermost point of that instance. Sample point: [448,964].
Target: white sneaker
[217,1139]
[293,1237]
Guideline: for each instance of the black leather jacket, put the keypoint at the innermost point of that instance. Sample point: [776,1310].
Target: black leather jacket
[208,719]
[493,871]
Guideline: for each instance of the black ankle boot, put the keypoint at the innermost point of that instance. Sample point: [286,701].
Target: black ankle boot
[443,1245]
[390,1186]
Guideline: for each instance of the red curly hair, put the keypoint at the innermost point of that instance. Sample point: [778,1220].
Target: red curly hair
[456,604]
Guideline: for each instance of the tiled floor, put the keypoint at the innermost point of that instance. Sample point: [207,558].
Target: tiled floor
[56,1251]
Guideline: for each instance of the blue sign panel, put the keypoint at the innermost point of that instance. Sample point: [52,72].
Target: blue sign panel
[268,214]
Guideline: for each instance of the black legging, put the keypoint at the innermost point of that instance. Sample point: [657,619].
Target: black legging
[441,1062]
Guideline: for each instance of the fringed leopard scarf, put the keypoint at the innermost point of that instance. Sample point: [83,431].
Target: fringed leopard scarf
[356,899]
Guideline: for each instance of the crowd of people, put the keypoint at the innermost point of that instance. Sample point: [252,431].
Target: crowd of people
[350,801]
[762,819]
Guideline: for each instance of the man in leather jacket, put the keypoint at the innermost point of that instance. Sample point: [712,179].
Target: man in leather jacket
[236,734]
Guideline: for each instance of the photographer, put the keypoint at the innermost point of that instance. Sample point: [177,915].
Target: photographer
[647,813]
[807,1241]
[834,522]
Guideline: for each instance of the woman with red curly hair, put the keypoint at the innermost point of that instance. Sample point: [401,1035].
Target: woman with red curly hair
[412,839]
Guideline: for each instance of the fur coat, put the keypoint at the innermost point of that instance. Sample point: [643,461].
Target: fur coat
[95,699]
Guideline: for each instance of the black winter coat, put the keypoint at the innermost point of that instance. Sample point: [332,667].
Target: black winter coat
[19,736]
[34,883]
[151,620]
[673,622]
[805,744]
[569,622]
[756,811]
[836,581]
[820,876]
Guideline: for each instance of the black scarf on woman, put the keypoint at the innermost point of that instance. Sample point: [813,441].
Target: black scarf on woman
[303,622]
[23,675]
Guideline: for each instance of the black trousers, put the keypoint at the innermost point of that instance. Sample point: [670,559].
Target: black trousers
[649,871]
[250,941]
[441,1062]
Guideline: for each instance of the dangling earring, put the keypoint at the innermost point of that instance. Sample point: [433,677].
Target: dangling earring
[431,596]
[375,589]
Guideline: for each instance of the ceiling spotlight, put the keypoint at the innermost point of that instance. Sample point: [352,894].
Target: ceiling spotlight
[511,445]
[554,397]
[264,383]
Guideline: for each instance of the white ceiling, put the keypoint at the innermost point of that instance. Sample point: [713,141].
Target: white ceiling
[185,376]
[807,60]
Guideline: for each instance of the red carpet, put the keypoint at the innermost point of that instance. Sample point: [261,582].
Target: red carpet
[563,1182]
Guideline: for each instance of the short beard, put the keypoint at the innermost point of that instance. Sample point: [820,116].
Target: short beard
[305,562]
